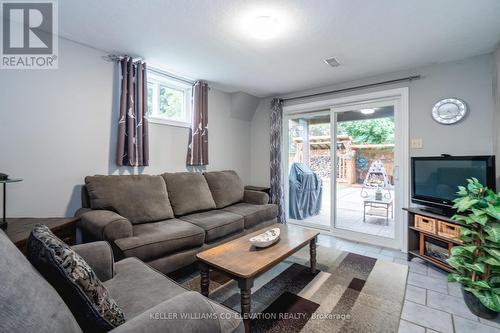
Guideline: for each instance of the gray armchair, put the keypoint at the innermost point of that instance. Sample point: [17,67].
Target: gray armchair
[151,301]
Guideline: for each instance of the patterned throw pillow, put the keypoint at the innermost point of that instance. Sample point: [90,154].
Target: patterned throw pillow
[74,280]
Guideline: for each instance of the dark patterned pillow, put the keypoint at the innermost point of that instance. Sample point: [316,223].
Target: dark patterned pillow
[74,280]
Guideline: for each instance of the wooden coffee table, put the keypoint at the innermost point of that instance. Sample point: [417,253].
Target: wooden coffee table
[243,262]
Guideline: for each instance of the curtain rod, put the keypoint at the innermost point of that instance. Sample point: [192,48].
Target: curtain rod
[370,85]
[115,58]
[172,76]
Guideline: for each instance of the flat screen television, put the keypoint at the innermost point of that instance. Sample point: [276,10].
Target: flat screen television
[435,180]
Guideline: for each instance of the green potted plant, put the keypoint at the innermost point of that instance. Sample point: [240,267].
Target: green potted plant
[477,261]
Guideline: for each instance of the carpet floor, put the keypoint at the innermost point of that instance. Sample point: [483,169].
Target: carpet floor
[349,293]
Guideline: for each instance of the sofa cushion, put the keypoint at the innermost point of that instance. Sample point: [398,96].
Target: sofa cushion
[188,192]
[150,295]
[254,214]
[137,287]
[226,187]
[27,300]
[156,239]
[139,198]
[216,223]
[74,280]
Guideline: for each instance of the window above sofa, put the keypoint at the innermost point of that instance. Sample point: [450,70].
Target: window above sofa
[169,101]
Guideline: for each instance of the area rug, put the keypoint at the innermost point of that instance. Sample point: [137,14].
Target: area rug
[349,293]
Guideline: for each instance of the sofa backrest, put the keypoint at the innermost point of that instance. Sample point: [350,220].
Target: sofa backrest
[226,186]
[188,192]
[28,303]
[139,198]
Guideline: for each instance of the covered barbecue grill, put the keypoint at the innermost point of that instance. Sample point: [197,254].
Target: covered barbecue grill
[304,192]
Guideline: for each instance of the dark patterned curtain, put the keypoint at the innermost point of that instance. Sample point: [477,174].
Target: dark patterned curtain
[133,136]
[277,185]
[197,153]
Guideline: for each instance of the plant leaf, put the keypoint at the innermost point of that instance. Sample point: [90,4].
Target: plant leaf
[492,261]
[469,248]
[460,251]
[467,281]
[481,284]
[457,262]
[496,300]
[464,203]
[478,212]
[493,232]
[482,220]
[487,298]
[493,280]
[493,252]
[477,267]
[493,211]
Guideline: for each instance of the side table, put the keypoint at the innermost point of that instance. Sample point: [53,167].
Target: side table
[3,223]
[19,229]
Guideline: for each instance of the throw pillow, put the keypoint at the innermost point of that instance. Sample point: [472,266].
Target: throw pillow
[74,280]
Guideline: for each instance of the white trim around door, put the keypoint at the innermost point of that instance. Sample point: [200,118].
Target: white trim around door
[398,97]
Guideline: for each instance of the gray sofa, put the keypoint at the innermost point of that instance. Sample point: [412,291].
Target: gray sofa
[166,220]
[28,303]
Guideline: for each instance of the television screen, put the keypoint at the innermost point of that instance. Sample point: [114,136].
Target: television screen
[437,179]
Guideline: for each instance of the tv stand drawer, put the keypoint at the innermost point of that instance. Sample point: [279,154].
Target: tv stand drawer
[425,223]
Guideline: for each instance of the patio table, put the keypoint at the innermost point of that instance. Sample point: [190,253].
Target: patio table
[384,203]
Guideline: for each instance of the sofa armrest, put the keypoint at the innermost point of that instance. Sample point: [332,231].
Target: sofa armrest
[182,313]
[255,197]
[105,225]
[82,211]
[99,256]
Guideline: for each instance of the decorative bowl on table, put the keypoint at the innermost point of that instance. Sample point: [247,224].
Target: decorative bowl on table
[267,238]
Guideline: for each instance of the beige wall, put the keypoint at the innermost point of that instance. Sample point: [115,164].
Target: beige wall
[57,126]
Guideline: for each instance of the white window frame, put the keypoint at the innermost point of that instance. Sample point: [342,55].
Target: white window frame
[163,80]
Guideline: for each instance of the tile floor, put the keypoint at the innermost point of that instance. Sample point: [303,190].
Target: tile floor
[431,303]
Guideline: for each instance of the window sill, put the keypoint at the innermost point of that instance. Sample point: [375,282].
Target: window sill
[175,123]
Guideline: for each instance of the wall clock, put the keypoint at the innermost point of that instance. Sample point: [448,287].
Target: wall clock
[449,111]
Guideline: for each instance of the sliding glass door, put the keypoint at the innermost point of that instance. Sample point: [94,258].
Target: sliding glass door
[365,155]
[341,170]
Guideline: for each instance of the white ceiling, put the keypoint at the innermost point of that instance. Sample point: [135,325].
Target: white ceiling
[203,39]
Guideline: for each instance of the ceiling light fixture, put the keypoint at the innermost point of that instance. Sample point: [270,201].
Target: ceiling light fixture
[263,27]
[367,111]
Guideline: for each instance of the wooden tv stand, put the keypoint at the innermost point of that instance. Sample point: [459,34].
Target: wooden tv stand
[421,233]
